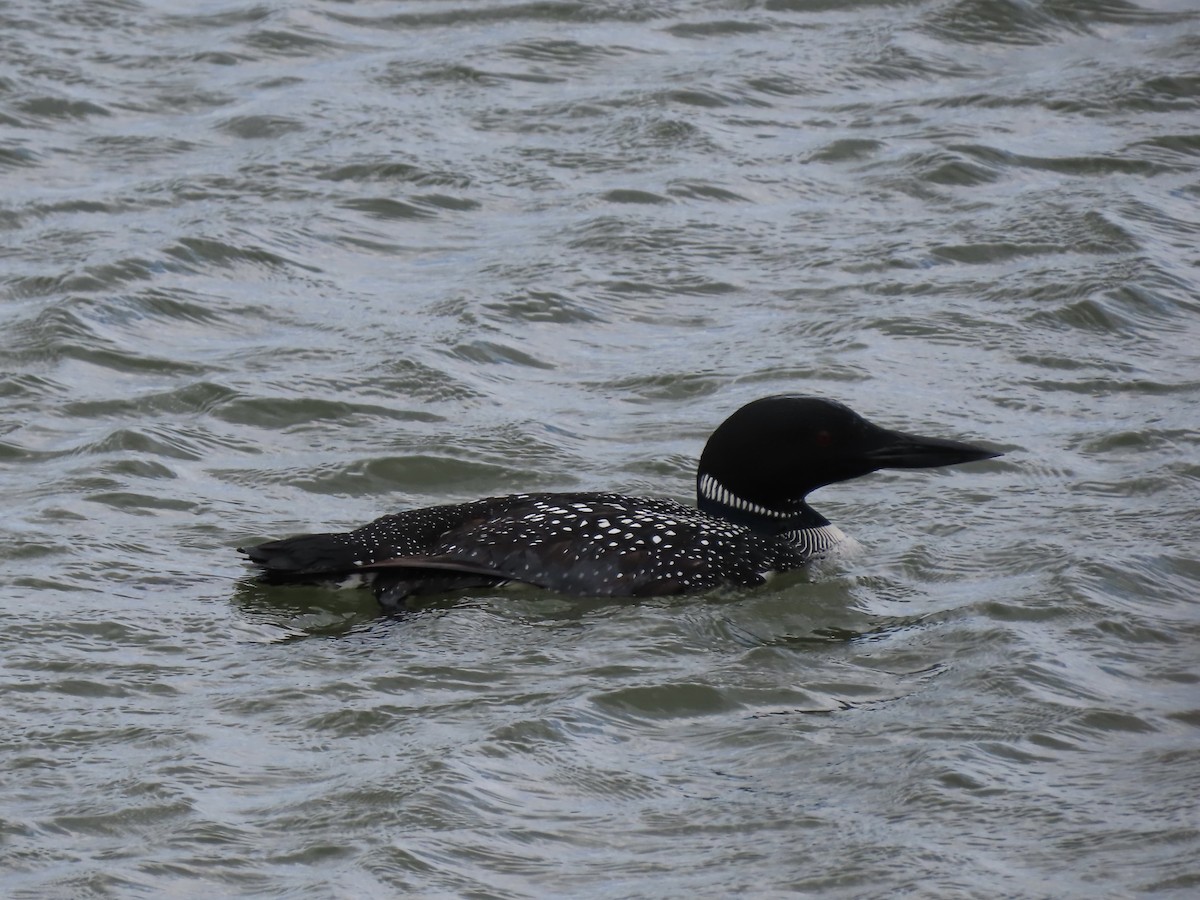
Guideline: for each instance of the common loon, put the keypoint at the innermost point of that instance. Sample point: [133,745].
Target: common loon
[751,519]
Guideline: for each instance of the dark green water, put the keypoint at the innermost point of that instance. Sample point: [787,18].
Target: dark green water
[270,268]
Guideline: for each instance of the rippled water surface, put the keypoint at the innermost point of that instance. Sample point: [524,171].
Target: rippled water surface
[273,267]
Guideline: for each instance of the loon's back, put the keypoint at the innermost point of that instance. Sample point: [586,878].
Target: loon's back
[586,544]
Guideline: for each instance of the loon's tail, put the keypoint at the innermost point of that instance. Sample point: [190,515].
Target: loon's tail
[332,560]
[295,558]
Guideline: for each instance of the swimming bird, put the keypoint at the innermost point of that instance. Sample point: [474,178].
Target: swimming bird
[751,519]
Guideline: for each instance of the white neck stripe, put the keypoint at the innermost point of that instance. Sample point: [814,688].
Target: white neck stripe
[713,490]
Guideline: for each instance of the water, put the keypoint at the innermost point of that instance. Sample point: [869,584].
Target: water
[270,268]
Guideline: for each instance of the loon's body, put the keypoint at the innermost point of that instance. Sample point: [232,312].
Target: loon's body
[751,519]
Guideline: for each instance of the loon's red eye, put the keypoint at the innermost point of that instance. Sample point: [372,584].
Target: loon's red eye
[824,438]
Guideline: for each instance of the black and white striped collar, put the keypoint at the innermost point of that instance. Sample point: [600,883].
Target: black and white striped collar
[708,488]
[794,517]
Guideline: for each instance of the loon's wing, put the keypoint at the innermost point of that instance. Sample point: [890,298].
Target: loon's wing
[602,545]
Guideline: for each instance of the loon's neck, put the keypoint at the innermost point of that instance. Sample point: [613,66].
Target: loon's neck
[791,517]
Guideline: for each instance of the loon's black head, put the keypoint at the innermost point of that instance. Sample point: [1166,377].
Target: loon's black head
[763,460]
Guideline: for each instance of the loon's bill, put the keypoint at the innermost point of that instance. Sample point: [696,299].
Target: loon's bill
[751,519]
